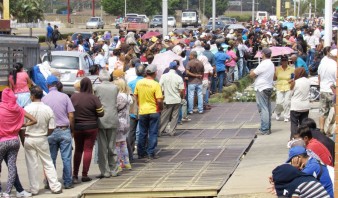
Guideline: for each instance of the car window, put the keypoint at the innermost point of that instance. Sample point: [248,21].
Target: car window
[93,19]
[170,19]
[64,62]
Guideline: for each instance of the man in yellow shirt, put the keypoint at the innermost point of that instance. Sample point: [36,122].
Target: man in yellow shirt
[150,101]
[282,77]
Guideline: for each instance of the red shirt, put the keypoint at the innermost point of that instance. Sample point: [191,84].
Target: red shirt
[319,149]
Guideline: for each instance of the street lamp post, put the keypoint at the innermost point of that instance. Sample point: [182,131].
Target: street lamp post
[213,14]
[165,17]
[253,12]
[125,8]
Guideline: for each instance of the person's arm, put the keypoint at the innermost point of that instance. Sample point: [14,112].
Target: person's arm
[159,97]
[31,120]
[275,74]
[192,74]
[159,102]
[318,80]
[71,122]
[252,74]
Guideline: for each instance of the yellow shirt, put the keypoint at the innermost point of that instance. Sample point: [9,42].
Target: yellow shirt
[283,77]
[147,91]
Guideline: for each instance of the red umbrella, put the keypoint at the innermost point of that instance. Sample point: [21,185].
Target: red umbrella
[148,35]
[277,51]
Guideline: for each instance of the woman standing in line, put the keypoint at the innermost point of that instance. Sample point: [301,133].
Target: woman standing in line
[282,77]
[87,110]
[124,100]
[19,82]
[300,103]
[12,119]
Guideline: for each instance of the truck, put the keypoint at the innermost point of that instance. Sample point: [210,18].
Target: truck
[260,15]
[134,24]
[17,49]
[189,18]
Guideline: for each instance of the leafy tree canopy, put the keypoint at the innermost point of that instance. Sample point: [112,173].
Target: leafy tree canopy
[27,10]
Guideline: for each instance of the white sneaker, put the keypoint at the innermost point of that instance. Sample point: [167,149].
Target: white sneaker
[23,194]
[5,195]
[277,117]
[286,119]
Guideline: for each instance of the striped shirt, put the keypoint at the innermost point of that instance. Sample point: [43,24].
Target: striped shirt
[312,189]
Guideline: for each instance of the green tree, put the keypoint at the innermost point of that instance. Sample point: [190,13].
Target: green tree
[221,7]
[27,10]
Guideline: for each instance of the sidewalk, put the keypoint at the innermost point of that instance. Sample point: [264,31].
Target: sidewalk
[250,179]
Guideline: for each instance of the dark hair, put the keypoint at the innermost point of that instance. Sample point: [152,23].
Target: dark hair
[326,50]
[17,67]
[93,69]
[177,62]
[86,86]
[36,92]
[284,58]
[310,123]
[304,131]
[207,47]
[59,86]
[140,70]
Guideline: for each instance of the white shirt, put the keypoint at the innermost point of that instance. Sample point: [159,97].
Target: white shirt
[327,71]
[317,33]
[80,48]
[91,41]
[264,72]
[130,74]
[171,84]
[105,48]
[111,63]
[312,41]
[45,117]
[99,59]
[300,95]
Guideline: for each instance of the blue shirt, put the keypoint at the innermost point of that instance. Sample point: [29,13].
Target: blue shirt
[312,167]
[220,58]
[132,85]
[49,31]
[301,63]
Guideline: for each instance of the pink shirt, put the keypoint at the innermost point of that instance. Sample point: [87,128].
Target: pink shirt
[21,85]
[232,63]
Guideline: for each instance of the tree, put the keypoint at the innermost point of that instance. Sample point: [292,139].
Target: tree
[27,10]
[221,7]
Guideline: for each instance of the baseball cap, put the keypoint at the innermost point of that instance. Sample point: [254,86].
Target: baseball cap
[172,65]
[333,52]
[52,79]
[266,51]
[118,73]
[294,151]
[151,69]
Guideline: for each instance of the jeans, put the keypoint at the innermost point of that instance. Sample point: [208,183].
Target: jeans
[62,139]
[221,77]
[310,57]
[131,139]
[263,99]
[149,126]
[213,84]
[191,90]
[240,65]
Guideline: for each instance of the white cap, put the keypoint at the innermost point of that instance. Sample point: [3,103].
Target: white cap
[333,52]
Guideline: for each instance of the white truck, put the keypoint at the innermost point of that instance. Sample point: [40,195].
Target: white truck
[189,18]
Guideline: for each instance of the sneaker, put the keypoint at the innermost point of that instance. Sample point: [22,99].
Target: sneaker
[86,179]
[70,186]
[191,112]
[76,180]
[23,194]
[57,192]
[5,195]
[200,112]
[114,174]
[151,158]
[127,166]
[186,119]
[195,110]
[286,119]
[277,117]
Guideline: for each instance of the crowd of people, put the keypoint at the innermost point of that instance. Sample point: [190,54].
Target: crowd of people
[133,102]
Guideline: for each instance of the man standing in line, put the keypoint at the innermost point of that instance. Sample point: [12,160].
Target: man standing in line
[327,74]
[173,88]
[49,35]
[195,71]
[36,143]
[107,93]
[263,75]
[61,138]
[150,101]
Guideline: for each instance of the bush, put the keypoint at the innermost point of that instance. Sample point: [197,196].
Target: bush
[240,18]
[63,36]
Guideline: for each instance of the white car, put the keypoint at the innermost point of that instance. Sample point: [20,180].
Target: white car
[145,18]
[95,22]
[171,21]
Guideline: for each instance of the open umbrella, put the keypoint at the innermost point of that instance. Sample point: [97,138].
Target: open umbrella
[236,27]
[148,35]
[181,31]
[162,61]
[277,51]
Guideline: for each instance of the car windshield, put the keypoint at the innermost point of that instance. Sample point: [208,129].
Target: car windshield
[170,19]
[64,62]
[93,19]
[189,14]
[134,19]
[157,19]
[216,23]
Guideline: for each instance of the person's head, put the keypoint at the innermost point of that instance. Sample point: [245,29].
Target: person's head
[151,70]
[284,60]
[59,86]
[8,97]
[173,65]
[48,24]
[193,55]
[300,73]
[140,70]
[104,76]
[326,50]
[135,61]
[86,86]
[36,93]
[333,54]
[17,67]
[150,58]
[55,26]
[52,81]
[305,133]
[309,122]
[101,41]
[95,69]
[220,49]
[207,47]
[117,74]
[294,57]
[297,152]
[122,86]
[266,53]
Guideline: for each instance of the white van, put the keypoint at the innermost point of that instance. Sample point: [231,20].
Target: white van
[260,15]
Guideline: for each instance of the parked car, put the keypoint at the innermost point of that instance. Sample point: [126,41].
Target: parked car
[95,22]
[156,22]
[233,20]
[131,15]
[145,18]
[224,19]
[135,24]
[72,65]
[171,21]
[218,25]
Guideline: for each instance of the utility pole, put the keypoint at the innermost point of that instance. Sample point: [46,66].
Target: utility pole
[125,8]
[278,5]
[253,12]
[298,9]
[315,8]
[93,8]
[328,23]
[294,8]
[203,10]
[68,11]
[165,17]
[310,11]
[187,4]
[213,14]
